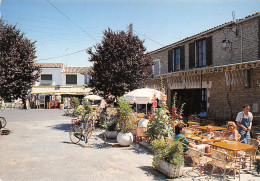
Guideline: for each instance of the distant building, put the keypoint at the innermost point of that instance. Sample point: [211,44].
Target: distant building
[217,69]
[59,82]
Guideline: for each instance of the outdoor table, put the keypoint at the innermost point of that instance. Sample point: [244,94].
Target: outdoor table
[204,139]
[193,123]
[233,146]
[214,128]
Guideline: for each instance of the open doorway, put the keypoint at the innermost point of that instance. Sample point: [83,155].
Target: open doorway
[195,99]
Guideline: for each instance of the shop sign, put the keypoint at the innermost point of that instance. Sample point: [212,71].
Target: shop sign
[248,65]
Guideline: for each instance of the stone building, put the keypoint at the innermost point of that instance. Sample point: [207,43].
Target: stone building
[217,69]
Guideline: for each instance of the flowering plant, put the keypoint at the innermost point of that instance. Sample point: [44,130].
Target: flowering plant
[176,114]
[159,120]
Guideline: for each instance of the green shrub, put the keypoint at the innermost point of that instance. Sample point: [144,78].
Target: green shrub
[168,152]
[124,117]
[110,124]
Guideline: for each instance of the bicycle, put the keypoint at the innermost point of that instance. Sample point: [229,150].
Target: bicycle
[81,130]
[2,122]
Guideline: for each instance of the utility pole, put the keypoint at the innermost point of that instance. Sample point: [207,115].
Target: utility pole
[131,28]
[66,57]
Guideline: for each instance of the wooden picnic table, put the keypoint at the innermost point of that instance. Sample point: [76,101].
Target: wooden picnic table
[204,139]
[214,128]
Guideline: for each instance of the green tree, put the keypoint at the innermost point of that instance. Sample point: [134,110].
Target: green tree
[18,71]
[120,63]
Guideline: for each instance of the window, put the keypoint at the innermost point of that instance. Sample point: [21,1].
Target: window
[176,60]
[200,53]
[156,67]
[71,79]
[46,79]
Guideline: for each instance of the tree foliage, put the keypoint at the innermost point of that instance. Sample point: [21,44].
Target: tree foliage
[120,64]
[17,69]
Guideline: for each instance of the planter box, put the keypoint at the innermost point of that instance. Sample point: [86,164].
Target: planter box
[168,169]
[111,134]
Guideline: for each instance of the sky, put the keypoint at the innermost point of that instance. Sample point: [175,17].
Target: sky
[64,29]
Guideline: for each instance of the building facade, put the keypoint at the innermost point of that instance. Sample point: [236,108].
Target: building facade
[58,83]
[217,70]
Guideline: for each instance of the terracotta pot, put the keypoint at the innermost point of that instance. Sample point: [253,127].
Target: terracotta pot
[125,139]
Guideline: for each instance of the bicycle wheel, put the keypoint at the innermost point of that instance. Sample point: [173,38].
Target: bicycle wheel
[3,122]
[75,134]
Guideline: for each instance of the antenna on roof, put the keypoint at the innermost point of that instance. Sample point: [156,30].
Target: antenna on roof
[234,16]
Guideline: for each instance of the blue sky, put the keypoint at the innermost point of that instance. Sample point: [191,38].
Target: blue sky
[158,22]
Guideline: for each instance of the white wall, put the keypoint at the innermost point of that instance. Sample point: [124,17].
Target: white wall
[56,75]
[80,78]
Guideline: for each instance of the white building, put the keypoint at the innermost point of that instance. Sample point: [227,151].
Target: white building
[58,82]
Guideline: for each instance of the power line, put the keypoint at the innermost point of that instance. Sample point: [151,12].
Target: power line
[63,55]
[71,21]
[148,38]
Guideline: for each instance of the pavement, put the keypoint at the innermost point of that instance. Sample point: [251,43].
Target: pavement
[35,145]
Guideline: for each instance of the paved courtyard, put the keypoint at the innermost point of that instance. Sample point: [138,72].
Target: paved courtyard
[35,145]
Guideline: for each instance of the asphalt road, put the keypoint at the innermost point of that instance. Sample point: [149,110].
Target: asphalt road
[36,146]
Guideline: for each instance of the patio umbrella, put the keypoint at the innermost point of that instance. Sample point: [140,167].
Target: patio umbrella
[93,97]
[143,96]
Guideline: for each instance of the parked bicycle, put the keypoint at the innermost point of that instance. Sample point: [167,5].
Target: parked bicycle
[81,130]
[2,122]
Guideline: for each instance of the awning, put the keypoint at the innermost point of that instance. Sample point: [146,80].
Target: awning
[57,90]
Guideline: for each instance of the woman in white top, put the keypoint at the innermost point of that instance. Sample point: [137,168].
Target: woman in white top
[231,132]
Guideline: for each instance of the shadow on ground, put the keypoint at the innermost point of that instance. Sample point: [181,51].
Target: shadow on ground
[61,127]
[5,132]
[150,171]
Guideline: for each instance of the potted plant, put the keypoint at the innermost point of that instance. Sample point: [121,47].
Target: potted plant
[125,122]
[110,125]
[168,157]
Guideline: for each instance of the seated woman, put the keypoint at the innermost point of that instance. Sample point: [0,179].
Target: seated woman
[231,132]
[179,135]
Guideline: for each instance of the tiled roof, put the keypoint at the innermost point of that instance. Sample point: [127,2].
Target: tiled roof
[50,65]
[82,70]
[206,31]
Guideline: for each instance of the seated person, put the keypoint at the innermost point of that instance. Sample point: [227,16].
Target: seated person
[209,132]
[231,132]
[203,114]
[179,133]
[144,121]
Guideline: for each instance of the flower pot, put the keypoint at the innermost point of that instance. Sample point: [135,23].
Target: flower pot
[125,139]
[168,169]
[111,134]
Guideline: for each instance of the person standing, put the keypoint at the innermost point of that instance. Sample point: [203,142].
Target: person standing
[244,121]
